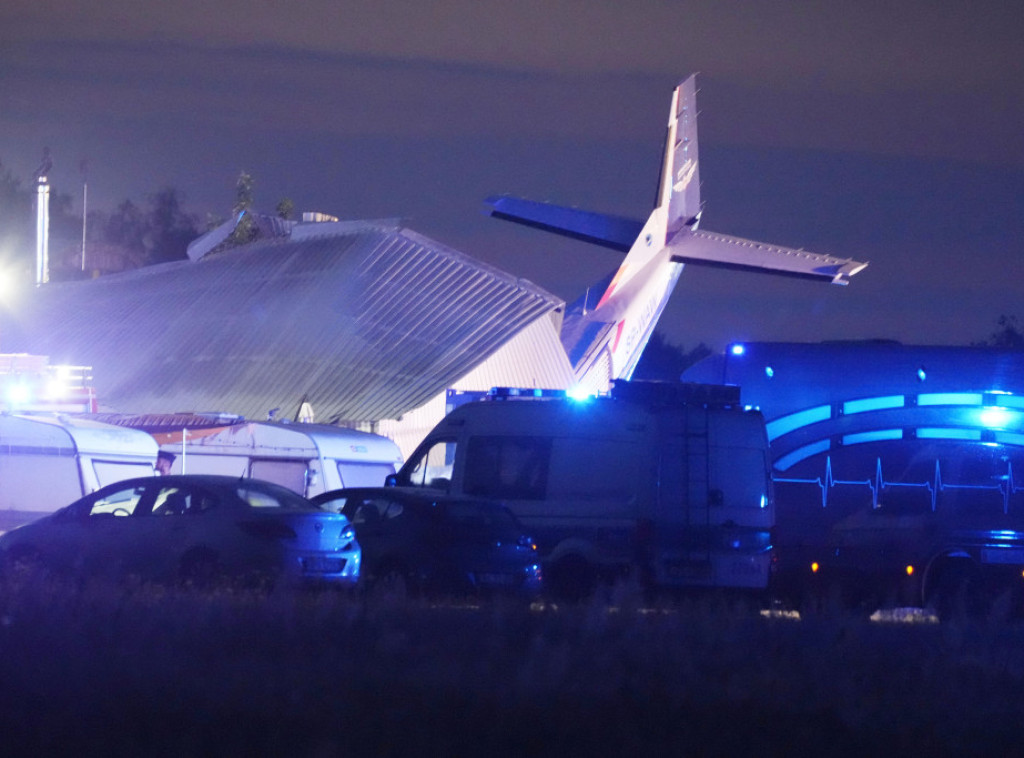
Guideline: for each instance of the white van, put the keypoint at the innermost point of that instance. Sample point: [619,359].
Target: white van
[306,458]
[668,480]
[48,461]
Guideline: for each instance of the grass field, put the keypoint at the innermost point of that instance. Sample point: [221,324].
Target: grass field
[135,670]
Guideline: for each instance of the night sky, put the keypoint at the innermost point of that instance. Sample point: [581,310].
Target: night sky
[887,132]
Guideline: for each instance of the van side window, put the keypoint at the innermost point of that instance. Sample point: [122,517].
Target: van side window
[433,468]
[595,469]
[508,467]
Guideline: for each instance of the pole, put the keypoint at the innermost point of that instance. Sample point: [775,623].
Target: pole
[84,166]
[85,207]
[43,219]
[42,231]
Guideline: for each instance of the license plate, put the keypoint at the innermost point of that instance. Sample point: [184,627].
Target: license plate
[504,579]
[320,565]
[688,570]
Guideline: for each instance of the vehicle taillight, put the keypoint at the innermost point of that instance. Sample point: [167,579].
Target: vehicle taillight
[525,541]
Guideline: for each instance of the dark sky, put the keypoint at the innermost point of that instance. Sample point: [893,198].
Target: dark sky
[888,132]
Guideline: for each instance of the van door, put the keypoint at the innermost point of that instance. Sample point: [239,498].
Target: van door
[432,465]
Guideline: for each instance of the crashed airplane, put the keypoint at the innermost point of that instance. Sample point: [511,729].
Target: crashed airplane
[605,335]
[369,324]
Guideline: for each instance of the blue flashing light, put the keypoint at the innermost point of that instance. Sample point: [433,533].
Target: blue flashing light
[921,375]
[769,371]
[737,348]
[502,393]
[997,418]
[579,394]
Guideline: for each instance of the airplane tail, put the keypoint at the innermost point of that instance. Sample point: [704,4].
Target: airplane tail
[678,202]
[679,184]
[604,334]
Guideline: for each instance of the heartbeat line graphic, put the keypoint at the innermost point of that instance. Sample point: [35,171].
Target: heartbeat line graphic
[1005,484]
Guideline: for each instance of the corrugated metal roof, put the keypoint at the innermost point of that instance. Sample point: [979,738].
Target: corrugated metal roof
[364,320]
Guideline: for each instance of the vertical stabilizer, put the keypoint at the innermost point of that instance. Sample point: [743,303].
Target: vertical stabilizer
[605,331]
[678,202]
[680,181]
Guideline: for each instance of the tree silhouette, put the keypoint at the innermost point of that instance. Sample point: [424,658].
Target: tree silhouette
[665,361]
[1008,335]
[170,229]
[246,229]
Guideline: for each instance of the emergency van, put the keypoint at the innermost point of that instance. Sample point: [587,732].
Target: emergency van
[667,482]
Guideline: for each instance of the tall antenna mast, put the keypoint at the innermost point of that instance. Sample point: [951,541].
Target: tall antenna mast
[84,165]
[43,219]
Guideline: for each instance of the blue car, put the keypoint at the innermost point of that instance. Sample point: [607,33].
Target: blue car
[191,529]
[438,543]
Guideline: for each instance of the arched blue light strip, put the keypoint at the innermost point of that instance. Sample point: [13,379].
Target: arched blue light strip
[990,417]
[786,424]
[943,433]
[873,404]
[950,398]
[799,454]
[875,436]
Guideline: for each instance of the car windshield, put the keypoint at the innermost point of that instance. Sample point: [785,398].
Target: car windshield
[273,497]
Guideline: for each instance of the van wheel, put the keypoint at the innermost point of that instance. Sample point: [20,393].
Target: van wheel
[570,578]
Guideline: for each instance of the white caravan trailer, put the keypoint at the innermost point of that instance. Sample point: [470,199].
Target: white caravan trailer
[306,458]
[669,481]
[48,461]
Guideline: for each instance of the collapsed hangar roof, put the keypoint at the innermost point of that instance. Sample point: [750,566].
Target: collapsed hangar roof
[364,320]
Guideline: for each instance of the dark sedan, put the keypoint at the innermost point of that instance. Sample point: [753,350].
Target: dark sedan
[194,529]
[434,542]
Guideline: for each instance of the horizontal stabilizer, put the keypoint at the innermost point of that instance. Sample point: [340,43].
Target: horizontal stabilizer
[713,249]
[615,232]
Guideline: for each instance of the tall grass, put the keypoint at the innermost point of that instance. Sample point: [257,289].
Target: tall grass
[141,670]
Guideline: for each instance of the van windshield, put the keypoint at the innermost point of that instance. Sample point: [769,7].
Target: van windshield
[433,466]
